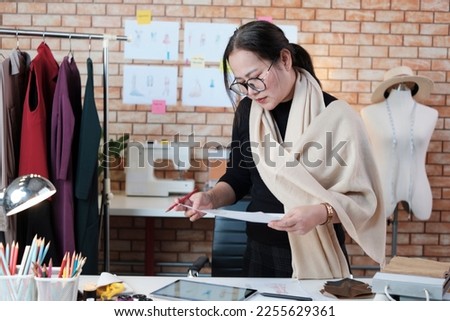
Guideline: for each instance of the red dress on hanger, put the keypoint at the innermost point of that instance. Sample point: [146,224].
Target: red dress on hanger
[35,139]
[36,113]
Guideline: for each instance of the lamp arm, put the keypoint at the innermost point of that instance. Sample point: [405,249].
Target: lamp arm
[2,211]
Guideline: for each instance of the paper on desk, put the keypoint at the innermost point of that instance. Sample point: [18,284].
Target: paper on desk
[255,217]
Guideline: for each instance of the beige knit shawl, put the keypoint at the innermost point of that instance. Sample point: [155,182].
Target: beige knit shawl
[302,171]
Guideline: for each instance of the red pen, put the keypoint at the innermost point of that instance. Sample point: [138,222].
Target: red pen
[182,200]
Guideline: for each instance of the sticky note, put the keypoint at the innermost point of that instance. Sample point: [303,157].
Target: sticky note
[158,106]
[143,17]
[266,18]
[198,62]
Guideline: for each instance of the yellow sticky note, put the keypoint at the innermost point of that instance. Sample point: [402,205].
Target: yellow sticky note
[143,17]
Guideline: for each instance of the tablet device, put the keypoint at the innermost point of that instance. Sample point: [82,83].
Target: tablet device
[202,291]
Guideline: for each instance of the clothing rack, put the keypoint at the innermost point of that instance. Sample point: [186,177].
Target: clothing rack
[106,193]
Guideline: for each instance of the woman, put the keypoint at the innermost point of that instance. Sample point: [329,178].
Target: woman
[294,156]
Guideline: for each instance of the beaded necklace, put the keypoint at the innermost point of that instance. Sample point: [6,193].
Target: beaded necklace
[412,151]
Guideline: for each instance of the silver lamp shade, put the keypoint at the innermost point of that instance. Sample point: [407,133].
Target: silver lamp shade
[25,192]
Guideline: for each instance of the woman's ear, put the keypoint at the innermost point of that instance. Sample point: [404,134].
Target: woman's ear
[286,59]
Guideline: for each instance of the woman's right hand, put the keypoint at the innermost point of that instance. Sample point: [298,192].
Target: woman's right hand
[197,202]
[220,195]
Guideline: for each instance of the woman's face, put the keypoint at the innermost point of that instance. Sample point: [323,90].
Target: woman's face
[279,81]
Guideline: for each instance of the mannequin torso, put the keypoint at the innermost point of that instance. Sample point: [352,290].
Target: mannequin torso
[400,130]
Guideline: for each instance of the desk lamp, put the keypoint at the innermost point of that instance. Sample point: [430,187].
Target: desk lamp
[25,192]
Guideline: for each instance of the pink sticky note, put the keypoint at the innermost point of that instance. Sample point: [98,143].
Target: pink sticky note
[266,18]
[158,106]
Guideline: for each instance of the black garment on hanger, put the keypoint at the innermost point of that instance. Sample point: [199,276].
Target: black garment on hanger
[86,182]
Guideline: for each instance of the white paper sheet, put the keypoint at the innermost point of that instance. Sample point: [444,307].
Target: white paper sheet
[255,217]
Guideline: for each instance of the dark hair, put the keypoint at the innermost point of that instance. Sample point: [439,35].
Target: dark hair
[266,40]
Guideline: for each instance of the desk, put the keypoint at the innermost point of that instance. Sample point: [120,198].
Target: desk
[151,207]
[154,206]
[142,206]
[308,288]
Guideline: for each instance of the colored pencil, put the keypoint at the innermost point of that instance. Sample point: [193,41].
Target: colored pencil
[63,265]
[24,259]
[182,200]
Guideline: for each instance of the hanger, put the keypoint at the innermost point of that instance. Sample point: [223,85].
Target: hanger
[89,50]
[17,40]
[70,53]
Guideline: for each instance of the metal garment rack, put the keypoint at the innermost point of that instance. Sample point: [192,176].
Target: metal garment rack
[106,193]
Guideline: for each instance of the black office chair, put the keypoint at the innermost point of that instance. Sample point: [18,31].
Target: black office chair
[228,247]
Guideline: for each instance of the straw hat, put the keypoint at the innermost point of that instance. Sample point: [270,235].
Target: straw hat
[403,74]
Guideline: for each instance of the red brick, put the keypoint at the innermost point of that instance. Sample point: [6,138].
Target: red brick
[190,235]
[175,246]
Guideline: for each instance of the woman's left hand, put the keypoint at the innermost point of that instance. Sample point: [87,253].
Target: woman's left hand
[301,219]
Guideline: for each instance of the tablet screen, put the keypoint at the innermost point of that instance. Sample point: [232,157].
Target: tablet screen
[201,291]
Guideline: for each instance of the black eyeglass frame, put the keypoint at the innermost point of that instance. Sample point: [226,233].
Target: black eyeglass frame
[245,84]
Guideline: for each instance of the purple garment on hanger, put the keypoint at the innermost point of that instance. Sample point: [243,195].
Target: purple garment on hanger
[63,135]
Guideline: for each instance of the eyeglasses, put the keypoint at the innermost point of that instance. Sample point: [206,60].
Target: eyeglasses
[257,84]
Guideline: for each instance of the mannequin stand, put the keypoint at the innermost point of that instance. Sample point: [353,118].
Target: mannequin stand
[394,223]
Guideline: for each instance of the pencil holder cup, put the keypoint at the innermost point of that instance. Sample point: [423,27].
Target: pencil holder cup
[57,289]
[17,288]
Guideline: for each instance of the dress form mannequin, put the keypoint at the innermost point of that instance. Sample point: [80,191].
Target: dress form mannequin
[400,130]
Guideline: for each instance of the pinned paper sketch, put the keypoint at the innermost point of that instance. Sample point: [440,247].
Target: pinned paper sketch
[155,41]
[207,40]
[290,32]
[204,87]
[144,84]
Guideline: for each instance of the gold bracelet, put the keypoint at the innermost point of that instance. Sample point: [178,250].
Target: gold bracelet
[330,213]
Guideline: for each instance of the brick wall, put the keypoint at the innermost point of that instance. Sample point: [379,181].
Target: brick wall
[352,43]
